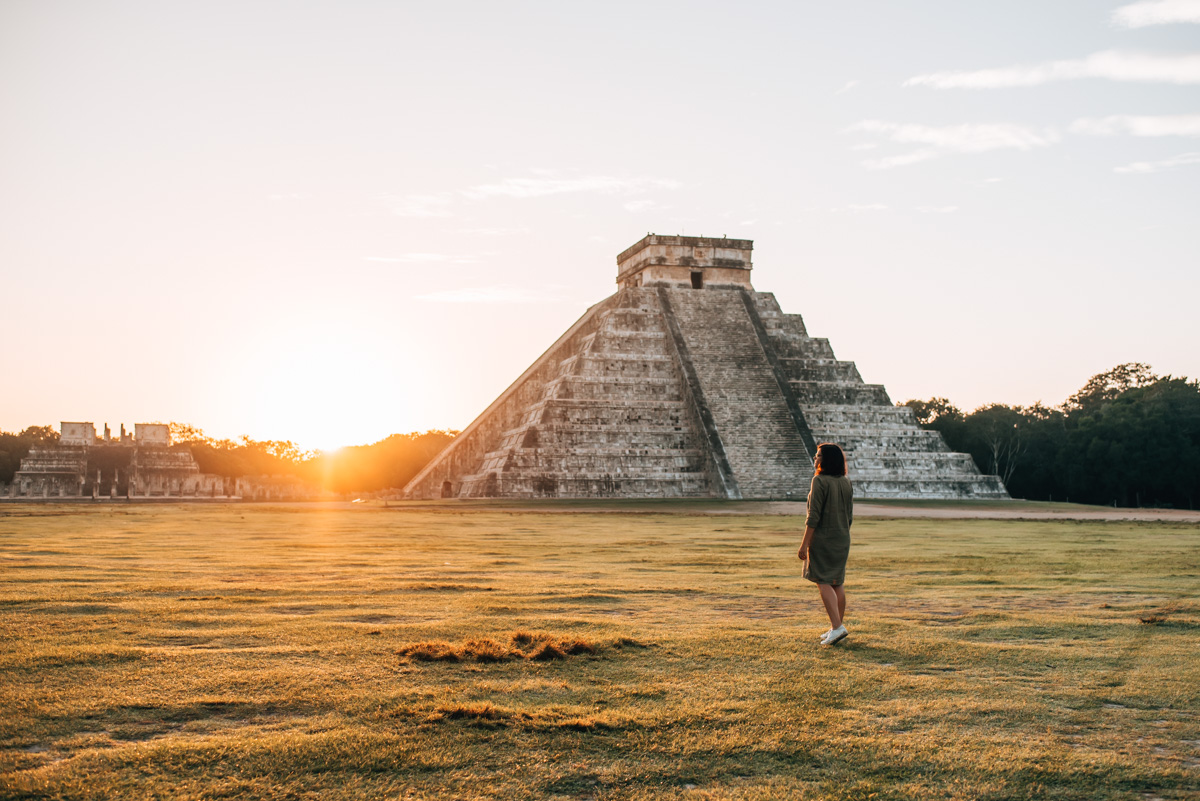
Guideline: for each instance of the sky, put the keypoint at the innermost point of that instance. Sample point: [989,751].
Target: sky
[329,222]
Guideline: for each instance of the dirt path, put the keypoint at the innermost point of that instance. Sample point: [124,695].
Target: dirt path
[1028,512]
[1016,510]
[941,510]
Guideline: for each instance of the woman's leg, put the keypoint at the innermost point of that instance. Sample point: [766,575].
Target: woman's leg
[829,597]
[840,591]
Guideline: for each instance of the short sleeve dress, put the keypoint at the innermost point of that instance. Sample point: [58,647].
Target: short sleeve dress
[830,513]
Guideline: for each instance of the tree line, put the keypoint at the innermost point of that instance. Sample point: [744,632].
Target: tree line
[387,464]
[1128,437]
[14,447]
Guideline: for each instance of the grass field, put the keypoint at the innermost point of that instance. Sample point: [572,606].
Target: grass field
[298,652]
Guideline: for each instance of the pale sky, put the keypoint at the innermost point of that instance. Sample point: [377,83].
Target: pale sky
[333,221]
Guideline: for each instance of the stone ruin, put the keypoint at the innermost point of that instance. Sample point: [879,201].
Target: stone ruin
[688,383]
[139,465]
[129,465]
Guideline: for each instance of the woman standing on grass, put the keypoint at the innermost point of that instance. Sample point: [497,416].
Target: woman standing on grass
[827,535]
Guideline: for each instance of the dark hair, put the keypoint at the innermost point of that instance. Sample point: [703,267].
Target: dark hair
[833,461]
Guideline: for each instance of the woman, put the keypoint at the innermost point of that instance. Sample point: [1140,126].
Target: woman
[827,536]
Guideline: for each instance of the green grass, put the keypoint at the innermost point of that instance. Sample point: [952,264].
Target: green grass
[299,652]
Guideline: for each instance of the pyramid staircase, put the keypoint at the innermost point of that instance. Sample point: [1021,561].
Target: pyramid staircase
[763,445]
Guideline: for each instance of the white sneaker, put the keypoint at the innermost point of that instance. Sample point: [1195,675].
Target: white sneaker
[835,636]
[825,636]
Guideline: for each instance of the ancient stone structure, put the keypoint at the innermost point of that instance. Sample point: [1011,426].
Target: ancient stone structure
[142,464]
[689,383]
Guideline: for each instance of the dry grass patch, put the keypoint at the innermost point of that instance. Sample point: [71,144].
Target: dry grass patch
[480,711]
[539,647]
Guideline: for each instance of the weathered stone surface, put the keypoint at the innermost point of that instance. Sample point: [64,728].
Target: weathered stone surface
[688,383]
[692,261]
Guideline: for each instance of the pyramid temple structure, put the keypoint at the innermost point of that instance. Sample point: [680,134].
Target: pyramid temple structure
[689,383]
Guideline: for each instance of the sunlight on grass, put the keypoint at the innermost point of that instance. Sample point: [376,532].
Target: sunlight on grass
[247,651]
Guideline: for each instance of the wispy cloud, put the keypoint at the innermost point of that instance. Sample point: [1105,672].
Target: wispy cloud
[411,258]
[1115,65]
[866,207]
[494,231]
[938,140]
[1167,125]
[849,85]
[937,209]
[1143,167]
[422,206]
[543,183]
[1156,12]
[484,294]
[423,258]
[902,160]
[964,138]
[543,186]
[644,204]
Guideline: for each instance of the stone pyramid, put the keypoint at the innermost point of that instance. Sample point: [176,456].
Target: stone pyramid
[689,383]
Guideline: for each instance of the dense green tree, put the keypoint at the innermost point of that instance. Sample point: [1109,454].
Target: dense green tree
[939,414]
[1128,437]
[934,409]
[1038,472]
[1110,384]
[1141,447]
[14,448]
[997,439]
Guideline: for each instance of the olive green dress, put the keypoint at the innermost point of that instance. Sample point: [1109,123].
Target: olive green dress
[830,513]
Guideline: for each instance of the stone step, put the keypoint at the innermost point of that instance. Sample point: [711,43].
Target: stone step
[669,438]
[869,446]
[839,416]
[969,487]
[541,485]
[624,364]
[908,456]
[802,347]
[764,450]
[865,432]
[582,461]
[841,392]
[599,390]
[912,468]
[806,369]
